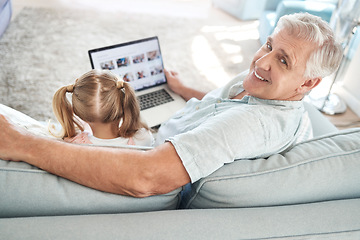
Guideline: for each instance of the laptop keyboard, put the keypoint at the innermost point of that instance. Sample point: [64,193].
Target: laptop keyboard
[153,99]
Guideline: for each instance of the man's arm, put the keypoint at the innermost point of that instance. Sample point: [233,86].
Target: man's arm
[178,87]
[121,171]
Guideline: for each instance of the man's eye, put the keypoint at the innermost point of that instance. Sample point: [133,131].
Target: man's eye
[283,61]
[268,46]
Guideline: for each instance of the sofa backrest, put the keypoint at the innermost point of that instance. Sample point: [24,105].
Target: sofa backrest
[27,191]
[320,124]
[321,169]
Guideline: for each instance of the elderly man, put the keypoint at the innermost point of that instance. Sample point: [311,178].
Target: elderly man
[257,114]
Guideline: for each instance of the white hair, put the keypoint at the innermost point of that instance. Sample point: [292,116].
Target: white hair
[328,54]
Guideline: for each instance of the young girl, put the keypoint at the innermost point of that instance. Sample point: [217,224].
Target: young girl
[108,105]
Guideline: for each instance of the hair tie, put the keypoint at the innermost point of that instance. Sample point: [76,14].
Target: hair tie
[70,88]
[119,84]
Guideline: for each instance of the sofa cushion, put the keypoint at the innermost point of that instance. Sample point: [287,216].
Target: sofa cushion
[28,191]
[324,168]
[333,220]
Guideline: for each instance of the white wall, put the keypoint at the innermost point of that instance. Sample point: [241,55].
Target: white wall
[350,89]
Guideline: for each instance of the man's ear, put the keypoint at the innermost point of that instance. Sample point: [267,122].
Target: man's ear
[309,84]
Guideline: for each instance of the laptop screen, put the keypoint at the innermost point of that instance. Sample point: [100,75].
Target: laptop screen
[137,62]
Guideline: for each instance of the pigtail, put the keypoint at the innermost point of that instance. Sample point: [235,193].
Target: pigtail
[64,112]
[131,121]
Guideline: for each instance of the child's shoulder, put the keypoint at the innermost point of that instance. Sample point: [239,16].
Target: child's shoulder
[143,137]
[81,138]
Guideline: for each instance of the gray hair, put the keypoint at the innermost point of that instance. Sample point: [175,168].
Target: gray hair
[327,57]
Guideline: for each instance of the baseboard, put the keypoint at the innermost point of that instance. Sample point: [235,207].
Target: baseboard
[351,101]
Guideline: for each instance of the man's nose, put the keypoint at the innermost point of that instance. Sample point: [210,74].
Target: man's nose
[264,62]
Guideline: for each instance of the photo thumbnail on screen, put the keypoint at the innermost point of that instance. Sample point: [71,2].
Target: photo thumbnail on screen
[108,65]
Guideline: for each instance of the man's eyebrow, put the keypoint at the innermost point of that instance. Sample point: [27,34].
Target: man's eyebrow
[288,58]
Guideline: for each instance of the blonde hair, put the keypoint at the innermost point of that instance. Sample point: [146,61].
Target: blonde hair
[327,56]
[98,96]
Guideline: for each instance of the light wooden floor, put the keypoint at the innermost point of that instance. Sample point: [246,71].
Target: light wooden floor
[345,120]
[182,8]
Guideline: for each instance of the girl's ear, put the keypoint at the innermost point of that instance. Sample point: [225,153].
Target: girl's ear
[309,84]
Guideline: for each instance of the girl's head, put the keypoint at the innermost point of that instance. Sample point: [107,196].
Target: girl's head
[98,96]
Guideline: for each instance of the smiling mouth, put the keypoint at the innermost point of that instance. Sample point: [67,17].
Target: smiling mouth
[259,77]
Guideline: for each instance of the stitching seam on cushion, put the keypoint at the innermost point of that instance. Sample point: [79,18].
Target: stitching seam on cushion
[22,170]
[326,157]
[314,234]
[331,135]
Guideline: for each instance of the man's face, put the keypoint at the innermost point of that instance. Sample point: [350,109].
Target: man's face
[277,70]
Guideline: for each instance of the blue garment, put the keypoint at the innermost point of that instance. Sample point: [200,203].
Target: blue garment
[216,130]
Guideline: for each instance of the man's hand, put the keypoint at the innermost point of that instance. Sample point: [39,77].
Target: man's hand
[11,139]
[178,87]
[174,82]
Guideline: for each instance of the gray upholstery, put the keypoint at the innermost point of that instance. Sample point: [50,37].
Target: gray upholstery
[308,192]
[320,124]
[300,175]
[333,220]
[38,193]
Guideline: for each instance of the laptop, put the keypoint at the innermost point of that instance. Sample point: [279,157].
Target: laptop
[140,63]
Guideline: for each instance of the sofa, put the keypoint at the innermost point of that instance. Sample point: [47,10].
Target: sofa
[310,191]
[274,9]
